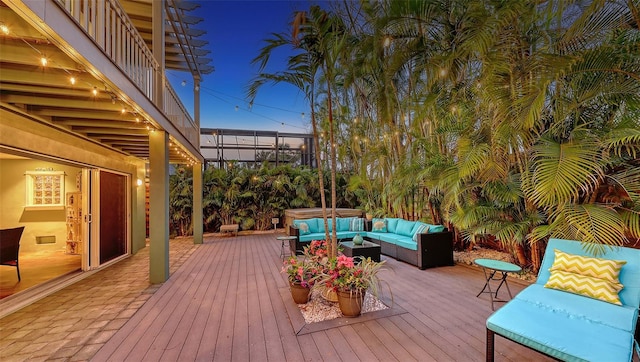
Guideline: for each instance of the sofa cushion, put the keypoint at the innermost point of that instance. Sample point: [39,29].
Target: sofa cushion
[379,225]
[559,334]
[419,228]
[392,224]
[320,228]
[343,223]
[592,267]
[436,228]
[596,311]
[406,242]
[305,227]
[356,224]
[311,237]
[373,235]
[404,228]
[587,286]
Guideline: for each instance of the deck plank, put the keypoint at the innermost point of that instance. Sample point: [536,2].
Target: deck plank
[229,301]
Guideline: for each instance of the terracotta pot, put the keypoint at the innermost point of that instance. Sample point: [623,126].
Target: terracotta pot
[351,302]
[299,293]
[329,295]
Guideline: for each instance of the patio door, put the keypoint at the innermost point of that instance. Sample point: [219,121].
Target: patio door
[113,215]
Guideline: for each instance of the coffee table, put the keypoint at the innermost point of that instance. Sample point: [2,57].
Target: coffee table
[366,250]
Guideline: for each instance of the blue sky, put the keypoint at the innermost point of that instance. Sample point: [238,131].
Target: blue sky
[236,31]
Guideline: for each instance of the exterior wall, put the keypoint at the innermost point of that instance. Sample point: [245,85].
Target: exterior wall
[37,223]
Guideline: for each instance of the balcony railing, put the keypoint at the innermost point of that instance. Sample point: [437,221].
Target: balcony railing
[106,22]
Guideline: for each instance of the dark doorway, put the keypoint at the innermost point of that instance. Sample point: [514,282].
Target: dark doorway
[113,216]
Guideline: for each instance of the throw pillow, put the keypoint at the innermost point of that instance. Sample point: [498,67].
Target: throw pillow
[379,225]
[593,267]
[356,224]
[304,228]
[587,286]
[420,229]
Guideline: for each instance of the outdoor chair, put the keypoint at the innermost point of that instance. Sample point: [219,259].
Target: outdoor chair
[10,246]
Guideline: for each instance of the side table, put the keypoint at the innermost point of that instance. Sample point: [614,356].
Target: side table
[490,267]
[284,239]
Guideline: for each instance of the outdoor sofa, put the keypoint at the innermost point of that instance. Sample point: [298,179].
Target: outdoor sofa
[570,326]
[413,242]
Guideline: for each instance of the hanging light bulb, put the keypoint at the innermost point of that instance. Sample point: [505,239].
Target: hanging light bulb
[123,110]
[44,61]
[184,83]
[302,115]
[237,108]
[95,91]
[387,41]
[4,29]
[72,80]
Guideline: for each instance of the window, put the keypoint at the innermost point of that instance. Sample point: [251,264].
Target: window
[45,189]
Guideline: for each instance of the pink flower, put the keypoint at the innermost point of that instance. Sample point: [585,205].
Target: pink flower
[345,261]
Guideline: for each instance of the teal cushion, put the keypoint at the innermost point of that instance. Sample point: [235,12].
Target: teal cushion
[436,228]
[561,334]
[343,223]
[316,225]
[375,235]
[305,227]
[312,236]
[419,228]
[379,225]
[392,224]
[404,227]
[321,224]
[356,224]
[407,243]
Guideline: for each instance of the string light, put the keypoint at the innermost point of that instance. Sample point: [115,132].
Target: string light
[43,61]
[387,41]
[72,80]
[95,91]
[4,29]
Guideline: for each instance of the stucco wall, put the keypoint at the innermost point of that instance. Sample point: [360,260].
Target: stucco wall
[13,198]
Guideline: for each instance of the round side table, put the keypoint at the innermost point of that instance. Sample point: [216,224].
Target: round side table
[490,267]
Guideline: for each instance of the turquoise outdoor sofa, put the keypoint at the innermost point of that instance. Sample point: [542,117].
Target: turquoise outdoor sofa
[413,242]
[568,326]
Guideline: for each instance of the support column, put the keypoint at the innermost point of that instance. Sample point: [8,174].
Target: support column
[158,206]
[158,49]
[196,218]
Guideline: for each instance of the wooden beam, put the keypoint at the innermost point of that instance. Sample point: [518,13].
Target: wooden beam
[100,123]
[92,104]
[17,52]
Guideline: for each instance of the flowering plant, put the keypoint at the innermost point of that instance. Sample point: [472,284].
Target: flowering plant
[342,274]
[316,250]
[303,272]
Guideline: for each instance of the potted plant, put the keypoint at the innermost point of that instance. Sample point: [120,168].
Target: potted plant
[318,253]
[351,281]
[301,275]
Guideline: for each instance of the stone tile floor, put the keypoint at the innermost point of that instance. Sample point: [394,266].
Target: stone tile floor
[75,322]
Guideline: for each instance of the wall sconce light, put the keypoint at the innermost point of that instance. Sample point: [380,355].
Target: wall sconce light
[139,182]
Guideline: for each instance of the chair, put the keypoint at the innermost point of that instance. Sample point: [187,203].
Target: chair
[10,246]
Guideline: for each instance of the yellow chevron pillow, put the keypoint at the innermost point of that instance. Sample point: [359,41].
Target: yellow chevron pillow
[593,267]
[585,285]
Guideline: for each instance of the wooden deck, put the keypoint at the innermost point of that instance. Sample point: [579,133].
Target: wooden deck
[229,301]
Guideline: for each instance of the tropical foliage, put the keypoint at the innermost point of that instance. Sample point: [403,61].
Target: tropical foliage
[248,197]
[514,120]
